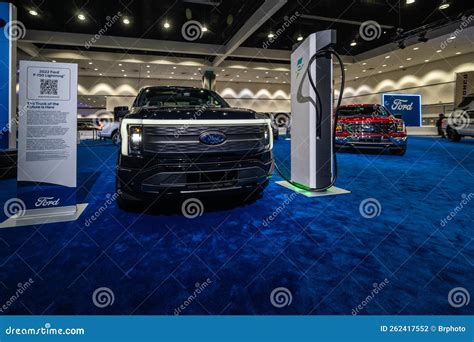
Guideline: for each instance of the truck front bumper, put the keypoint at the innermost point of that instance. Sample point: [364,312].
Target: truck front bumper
[371,142]
[144,177]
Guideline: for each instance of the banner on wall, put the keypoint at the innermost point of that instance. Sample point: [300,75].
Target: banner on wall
[47,138]
[464,89]
[406,105]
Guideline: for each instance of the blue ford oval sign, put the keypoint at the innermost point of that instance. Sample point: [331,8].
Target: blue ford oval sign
[212,138]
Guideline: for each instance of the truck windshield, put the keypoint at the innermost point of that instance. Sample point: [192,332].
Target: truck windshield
[363,111]
[179,97]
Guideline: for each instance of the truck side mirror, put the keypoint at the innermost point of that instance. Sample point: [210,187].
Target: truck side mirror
[120,112]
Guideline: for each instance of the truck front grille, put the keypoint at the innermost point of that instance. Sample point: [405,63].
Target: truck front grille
[185,139]
[371,128]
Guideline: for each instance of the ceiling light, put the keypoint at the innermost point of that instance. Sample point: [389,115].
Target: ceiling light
[439,51]
[123,70]
[81,17]
[444,4]
[195,74]
[380,72]
[166,25]
[147,66]
[415,48]
[458,53]
[192,78]
[364,63]
[410,2]
[271,35]
[387,57]
[353,43]
[300,38]
[33,12]
[174,67]
[95,69]
[237,76]
[147,75]
[170,77]
[126,21]
[148,71]
[427,60]
[172,73]
[217,75]
[53,61]
[204,29]
[125,75]
[266,72]
[356,77]
[384,65]
[409,59]
[223,70]
[120,64]
[100,74]
[90,63]
[257,76]
[401,66]
[364,70]
[245,71]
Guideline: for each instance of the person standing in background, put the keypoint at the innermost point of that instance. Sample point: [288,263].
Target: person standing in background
[439,125]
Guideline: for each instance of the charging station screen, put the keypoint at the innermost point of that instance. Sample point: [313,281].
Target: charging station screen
[406,105]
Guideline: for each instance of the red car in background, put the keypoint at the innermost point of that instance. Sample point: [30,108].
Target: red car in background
[370,126]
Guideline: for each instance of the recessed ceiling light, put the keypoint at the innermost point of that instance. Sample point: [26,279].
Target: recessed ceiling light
[204,29]
[148,66]
[409,59]
[170,77]
[387,57]
[123,70]
[147,75]
[174,67]
[223,70]
[439,51]
[276,78]
[192,78]
[266,72]
[286,73]
[81,16]
[245,71]
[90,63]
[410,2]
[401,66]
[416,48]
[444,5]
[120,64]
[148,71]
[384,65]
[53,61]
[217,75]
[353,43]
[100,74]
[195,74]
[427,60]
[266,81]
[458,53]
[364,70]
[166,25]
[356,77]
[271,35]
[345,69]
[126,21]
[172,73]
[125,75]
[250,80]
[364,63]
[257,76]
[95,69]
[237,76]
[33,12]
[300,38]
[380,72]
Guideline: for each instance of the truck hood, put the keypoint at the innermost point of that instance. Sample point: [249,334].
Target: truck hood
[367,119]
[194,114]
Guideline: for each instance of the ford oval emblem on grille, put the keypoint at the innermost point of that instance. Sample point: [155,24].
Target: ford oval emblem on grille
[212,138]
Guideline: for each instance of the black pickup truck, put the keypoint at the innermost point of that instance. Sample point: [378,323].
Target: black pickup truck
[185,140]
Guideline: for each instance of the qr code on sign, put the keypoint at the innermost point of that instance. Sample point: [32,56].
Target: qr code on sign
[48,87]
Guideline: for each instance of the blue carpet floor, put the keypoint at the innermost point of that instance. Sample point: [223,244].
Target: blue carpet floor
[322,250]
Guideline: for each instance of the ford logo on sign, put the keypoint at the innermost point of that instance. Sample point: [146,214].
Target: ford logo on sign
[212,138]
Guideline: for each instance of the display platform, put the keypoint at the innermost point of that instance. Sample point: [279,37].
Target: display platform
[8,163]
[332,191]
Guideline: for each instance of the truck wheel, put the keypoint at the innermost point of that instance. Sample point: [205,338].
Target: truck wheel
[116,137]
[452,134]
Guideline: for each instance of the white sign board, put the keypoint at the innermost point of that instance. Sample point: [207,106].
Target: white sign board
[47,133]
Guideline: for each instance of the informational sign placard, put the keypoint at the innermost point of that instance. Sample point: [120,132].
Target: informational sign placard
[47,134]
[406,105]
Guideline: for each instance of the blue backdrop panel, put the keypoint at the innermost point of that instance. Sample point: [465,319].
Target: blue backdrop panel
[406,105]
[4,77]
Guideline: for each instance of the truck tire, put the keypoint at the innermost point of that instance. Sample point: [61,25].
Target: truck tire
[452,134]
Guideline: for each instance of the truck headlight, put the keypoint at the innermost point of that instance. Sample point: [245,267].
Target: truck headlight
[135,138]
[339,128]
[266,136]
[400,126]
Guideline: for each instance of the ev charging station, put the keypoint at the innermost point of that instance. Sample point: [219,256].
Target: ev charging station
[313,165]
